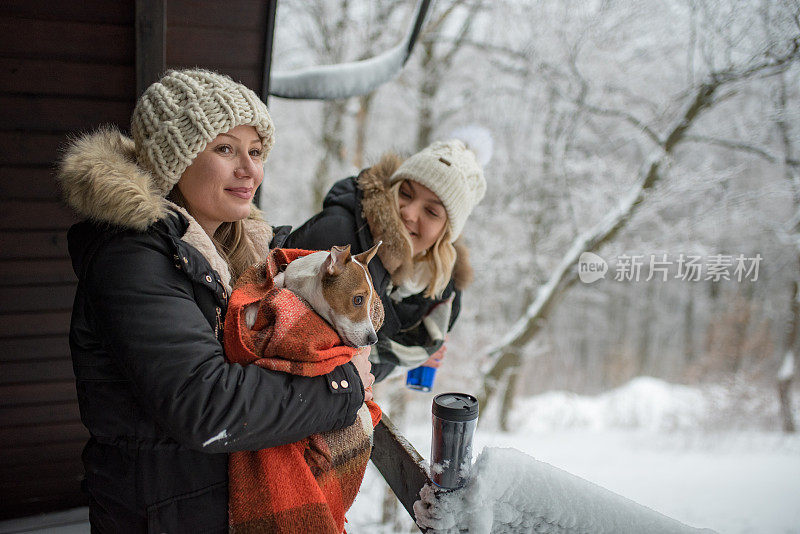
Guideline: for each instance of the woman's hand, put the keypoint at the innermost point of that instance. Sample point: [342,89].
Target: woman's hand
[363,366]
[436,358]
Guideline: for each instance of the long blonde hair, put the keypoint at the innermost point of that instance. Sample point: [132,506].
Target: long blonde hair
[230,239]
[441,256]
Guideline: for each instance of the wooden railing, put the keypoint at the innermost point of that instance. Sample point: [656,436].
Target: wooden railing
[399,462]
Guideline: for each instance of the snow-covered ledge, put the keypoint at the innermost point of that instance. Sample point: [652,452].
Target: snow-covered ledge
[510,491]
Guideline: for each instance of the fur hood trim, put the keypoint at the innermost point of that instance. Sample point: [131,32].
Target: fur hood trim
[384,222]
[101,181]
[463,274]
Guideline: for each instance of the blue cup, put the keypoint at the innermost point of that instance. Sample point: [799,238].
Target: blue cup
[421,378]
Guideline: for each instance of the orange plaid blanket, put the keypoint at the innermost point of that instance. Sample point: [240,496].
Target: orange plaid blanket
[306,486]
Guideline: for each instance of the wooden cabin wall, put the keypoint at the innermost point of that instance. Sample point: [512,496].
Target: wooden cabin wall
[227,37]
[65,68]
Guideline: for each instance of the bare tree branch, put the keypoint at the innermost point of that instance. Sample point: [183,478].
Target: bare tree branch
[447,60]
[434,25]
[742,146]
[618,113]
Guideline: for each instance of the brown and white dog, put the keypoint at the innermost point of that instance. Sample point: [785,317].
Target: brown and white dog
[339,288]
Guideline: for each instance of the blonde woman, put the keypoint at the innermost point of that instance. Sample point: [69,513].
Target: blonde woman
[168,227]
[418,208]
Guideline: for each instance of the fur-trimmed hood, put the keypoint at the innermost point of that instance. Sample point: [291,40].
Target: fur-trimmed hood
[101,181]
[381,213]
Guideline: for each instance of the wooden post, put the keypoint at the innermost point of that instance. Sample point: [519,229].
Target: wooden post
[266,62]
[269,36]
[151,36]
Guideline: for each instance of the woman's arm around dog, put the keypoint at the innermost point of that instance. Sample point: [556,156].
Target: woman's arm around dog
[162,342]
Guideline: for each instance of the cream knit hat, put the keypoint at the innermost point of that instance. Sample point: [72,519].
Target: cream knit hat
[452,172]
[176,117]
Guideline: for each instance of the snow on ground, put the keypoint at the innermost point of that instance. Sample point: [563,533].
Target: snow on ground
[642,441]
[644,404]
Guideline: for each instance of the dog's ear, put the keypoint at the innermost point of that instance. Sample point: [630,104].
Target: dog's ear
[367,255]
[336,260]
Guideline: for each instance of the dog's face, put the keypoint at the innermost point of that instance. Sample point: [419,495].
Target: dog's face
[339,288]
[355,310]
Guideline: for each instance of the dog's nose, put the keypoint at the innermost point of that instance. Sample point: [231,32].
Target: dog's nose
[372,339]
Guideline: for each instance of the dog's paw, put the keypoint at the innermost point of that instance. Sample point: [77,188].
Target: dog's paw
[250,313]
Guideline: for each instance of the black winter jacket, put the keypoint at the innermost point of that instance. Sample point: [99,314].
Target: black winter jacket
[162,405]
[344,220]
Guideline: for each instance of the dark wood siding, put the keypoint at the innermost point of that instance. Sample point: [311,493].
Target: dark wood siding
[65,68]
[227,37]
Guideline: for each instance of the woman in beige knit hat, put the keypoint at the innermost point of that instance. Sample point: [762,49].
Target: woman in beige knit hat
[167,226]
[418,207]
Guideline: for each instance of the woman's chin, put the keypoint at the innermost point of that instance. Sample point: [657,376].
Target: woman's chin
[417,248]
[238,213]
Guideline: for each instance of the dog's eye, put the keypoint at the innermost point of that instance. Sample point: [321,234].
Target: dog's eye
[358,300]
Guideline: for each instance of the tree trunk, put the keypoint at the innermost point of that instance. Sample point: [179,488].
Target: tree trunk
[436,62]
[508,362]
[689,351]
[741,322]
[362,121]
[786,372]
[785,393]
[647,318]
[332,118]
[427,96]
[512,379]
[549,134]
[612,357]
[383,15]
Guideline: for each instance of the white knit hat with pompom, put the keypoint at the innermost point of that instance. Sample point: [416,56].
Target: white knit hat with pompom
[452,171]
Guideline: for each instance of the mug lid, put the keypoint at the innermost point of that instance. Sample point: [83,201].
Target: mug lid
[455,407]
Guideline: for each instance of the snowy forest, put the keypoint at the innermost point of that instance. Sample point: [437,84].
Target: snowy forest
[656,135]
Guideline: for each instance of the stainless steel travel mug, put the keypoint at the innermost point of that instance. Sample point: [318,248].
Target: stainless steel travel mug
[455,416]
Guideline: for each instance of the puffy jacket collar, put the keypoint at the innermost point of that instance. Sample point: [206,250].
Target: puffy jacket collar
[380,211]
[102,182]
[177,229]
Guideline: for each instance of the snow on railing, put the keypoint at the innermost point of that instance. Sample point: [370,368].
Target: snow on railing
[344,80]
[509,491]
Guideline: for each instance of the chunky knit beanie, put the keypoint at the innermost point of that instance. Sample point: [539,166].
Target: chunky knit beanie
[176,117]
[452,172]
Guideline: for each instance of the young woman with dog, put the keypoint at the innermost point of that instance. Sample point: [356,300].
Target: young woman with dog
[168,226]
[418,208]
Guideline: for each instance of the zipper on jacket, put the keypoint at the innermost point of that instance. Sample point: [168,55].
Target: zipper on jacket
[218,327]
